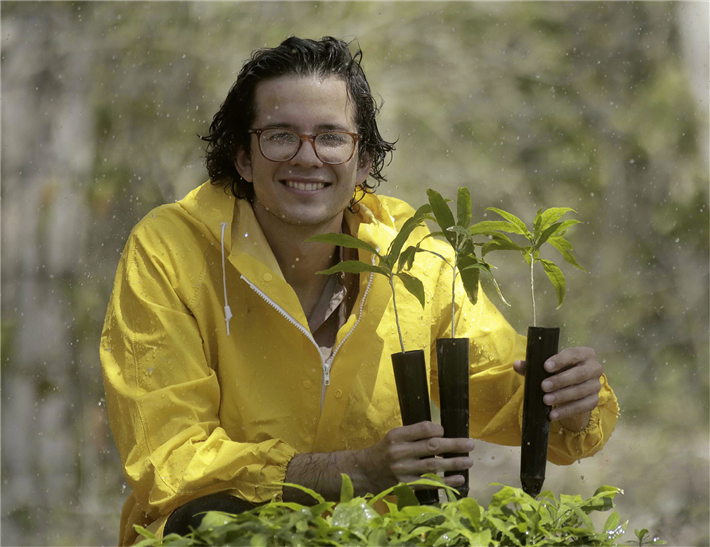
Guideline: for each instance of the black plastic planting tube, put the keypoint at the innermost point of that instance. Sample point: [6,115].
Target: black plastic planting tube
[452,362]
[413,393]
[542,344]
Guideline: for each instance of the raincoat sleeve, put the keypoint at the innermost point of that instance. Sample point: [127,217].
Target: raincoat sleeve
[163,395]
[496,390]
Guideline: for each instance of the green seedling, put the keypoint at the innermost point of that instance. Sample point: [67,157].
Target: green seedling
[512,518]
[456,232]
[391,265]
[547,228]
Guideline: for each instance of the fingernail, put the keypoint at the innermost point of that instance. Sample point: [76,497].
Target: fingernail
[549,366]
[546,385]
[468,462]
[553,416]
[548,399]
[471,445]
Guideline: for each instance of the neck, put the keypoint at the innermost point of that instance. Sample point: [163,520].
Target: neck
[300,260]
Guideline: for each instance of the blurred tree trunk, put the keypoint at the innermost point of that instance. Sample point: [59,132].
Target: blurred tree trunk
[47,163]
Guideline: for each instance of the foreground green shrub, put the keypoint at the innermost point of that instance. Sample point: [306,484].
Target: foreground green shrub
[512,518]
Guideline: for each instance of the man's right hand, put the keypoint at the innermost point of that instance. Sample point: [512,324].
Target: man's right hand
[405,453]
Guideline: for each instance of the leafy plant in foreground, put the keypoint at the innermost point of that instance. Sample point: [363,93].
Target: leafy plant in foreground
[512,519]
[547,228]
[392,264]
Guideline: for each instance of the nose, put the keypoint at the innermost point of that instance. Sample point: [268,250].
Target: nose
[306,153]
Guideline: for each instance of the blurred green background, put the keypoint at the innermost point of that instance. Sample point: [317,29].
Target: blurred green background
[598,106]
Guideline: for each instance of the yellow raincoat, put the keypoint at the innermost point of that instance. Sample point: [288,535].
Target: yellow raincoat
[194,410]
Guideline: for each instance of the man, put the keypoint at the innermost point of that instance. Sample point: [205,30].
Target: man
[229,364]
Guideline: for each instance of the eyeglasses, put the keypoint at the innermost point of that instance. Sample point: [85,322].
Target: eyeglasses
[331,147]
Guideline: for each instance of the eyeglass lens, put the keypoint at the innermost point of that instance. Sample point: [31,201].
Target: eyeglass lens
[330,147]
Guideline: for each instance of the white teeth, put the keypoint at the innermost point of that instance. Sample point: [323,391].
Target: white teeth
[306,186]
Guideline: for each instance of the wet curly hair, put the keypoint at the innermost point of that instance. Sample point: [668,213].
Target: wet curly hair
[328,57]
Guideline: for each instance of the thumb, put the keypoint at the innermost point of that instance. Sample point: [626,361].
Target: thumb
[519,367]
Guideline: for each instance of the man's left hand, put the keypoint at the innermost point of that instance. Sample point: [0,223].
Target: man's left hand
[574,386]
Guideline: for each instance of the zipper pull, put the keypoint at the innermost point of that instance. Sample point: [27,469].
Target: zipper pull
[326,374]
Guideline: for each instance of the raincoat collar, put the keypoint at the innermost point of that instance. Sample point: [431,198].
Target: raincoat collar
[211,206]
[245,246]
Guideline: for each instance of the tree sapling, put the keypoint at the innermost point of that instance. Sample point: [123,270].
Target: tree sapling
[542,342]
[452,353]
[409,366]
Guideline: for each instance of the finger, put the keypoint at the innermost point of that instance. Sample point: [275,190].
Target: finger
[441,445]
[454,481]
[568,357]
[572,376]
[582,406]
[519,367]
[415,432]
[416,468]
[573,393]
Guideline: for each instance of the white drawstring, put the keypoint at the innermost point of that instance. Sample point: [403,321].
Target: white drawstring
[227,311]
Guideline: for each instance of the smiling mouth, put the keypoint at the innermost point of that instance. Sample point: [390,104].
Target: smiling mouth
[305,186]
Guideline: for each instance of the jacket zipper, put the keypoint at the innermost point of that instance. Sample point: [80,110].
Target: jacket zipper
[325,364]
[286,315]
[359,316]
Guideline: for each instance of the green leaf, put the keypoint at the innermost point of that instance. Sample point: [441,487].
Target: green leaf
[500,242]
[406,258]
[442,213]
[477,265]
[537,223]
[557,279]
[414,286]
[259,540]
[516,225]
[144,532]
[463,207]
[546,234]
[553,229]
[315,495]
[566,225]
[612,522]
[471,510]
[481,539]
[404,232]
[354,266]
[582,516]
[504,528]
[488,227]
[469,276]
[550,216]
[343,240]
[607,491]
[565,248]
[405,496]
[346,489]
[487,268]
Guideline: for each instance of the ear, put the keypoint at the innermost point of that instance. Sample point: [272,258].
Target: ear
[242,162]
[363,168]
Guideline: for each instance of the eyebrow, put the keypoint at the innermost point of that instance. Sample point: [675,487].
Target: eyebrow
[319,128]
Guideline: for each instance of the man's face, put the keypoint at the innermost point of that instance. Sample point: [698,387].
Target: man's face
[302,191]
